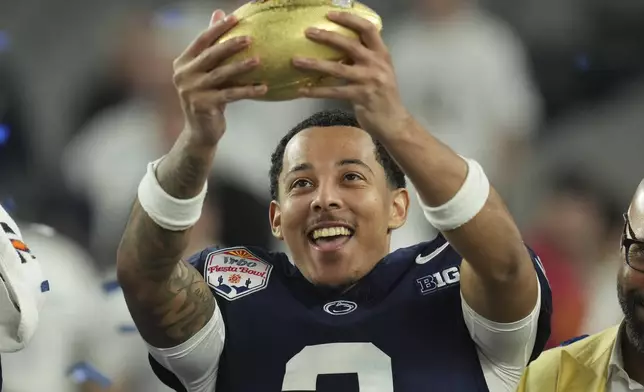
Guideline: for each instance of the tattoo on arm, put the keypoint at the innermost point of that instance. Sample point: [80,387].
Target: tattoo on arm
[174,311]
[184,170]
[168,298]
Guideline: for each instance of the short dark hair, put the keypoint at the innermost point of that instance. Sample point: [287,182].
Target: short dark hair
[333,118]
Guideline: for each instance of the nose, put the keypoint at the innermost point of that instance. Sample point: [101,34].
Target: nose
[327,197]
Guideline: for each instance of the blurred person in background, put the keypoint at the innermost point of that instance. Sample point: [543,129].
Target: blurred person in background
[602,310]
[20,178]
[572,229]
[464,74]
[612,360]
[117,139]
[22,292]
[15,152]
[105,161]
[88,342]
[73,324]
[133,67]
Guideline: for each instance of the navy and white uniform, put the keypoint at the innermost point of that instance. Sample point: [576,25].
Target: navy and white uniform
[404,327]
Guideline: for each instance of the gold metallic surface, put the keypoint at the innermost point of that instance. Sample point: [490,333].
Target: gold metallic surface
[277,28]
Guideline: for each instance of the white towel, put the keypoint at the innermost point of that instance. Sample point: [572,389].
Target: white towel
[22,287]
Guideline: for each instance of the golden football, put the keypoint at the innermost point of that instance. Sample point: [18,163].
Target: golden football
[277,28]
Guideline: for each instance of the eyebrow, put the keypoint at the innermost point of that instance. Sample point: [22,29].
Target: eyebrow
[344,162]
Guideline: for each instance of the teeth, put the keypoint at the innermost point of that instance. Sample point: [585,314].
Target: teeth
[330,232]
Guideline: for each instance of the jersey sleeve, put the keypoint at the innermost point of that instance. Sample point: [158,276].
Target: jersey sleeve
[21,287]
[545,313]
[192,366]
[505,349]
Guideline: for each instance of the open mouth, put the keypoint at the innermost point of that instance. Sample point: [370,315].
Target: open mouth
[329,239]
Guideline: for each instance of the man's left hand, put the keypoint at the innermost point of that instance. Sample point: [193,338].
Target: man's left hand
[370,78]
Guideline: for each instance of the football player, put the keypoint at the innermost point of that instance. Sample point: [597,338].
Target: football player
[21,289]
[464,311]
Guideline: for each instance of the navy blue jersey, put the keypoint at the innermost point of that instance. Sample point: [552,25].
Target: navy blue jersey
[399,328]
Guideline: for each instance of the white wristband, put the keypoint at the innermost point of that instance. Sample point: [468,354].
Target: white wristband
[465,205]
[166,211]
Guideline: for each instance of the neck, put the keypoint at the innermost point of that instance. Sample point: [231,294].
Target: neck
[633,360]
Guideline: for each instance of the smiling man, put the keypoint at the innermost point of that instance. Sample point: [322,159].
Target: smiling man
[464,311]
[337,195]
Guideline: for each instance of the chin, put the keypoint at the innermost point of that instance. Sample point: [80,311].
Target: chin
[635,334]
[332,264]
[633,310]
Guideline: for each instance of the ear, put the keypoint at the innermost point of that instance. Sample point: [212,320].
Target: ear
[399,208]
[275,217]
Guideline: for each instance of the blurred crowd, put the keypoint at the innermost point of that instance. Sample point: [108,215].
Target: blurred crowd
[546,94]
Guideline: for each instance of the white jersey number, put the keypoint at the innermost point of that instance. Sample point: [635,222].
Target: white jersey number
[372,366]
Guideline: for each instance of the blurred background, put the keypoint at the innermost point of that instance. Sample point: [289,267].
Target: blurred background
[546,94]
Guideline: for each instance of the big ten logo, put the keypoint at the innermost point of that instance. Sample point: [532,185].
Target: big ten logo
[438,280]
[239,262]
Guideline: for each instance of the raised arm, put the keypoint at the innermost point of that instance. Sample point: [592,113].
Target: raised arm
[498,279]
[167,297]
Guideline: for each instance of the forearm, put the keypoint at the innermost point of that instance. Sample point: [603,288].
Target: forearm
[184,171]
[167,298]
[436,171]
[490,242]
[146,248]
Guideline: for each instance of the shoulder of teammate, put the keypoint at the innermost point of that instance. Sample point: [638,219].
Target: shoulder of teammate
[21,287]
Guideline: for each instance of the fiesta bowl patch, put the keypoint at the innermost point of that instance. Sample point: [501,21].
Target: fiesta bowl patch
[236,272]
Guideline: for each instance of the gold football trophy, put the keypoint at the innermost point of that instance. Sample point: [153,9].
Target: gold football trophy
[277,28]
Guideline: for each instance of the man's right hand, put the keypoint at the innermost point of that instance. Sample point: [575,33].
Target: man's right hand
[204,84]
[167,297]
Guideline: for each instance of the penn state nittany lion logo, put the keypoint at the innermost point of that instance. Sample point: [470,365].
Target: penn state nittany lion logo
[236,272]
[341,307]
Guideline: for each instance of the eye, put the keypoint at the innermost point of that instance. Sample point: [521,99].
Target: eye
[301,183]
[353,177]
[637,250]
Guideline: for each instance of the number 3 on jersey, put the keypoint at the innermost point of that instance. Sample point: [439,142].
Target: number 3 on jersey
[372,366]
